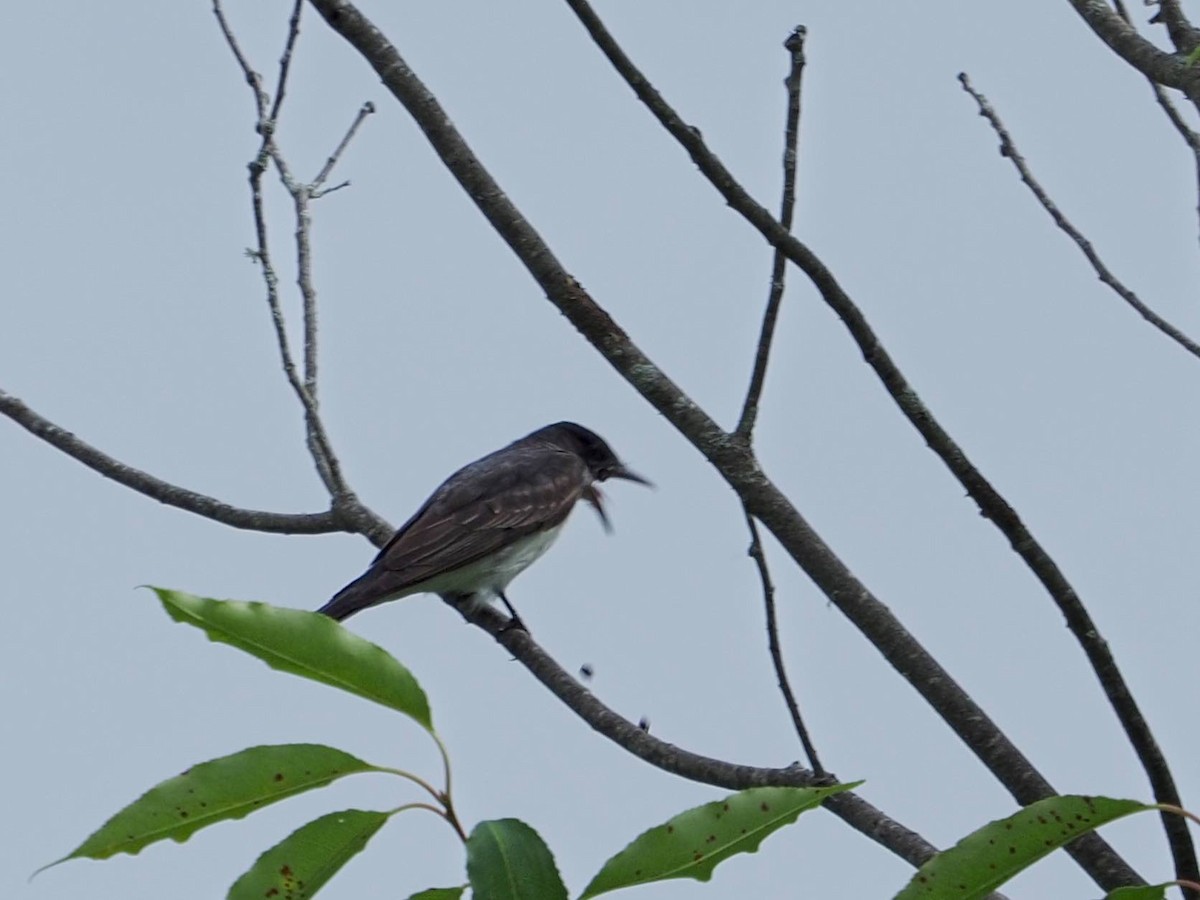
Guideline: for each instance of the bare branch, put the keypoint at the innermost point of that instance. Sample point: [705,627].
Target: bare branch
[318,442]
[356,514]
[1170,14]
[1103,663]
[308,295]
[795,45]
[162,491]
[285,61]
[1167,69]
[759,556]
[252,77]
[1009,150]
[991,504]
[319,446]
[347,514]
[745,427]
[1190,137]
[852,809]
[731,457]
[326,170]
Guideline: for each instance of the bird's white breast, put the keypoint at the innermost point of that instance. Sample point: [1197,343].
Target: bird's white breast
[488,576]
[510,562]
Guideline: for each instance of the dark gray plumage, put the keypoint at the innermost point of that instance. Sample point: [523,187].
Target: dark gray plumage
[488,521]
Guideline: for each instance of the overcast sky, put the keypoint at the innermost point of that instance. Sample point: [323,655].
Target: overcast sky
[130,316]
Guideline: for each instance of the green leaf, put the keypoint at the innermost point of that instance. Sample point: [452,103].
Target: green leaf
[299,865]
[506,860]
[1148,892]
[307,644]
[453,893]
[227,788]
[985,859]
[692,843]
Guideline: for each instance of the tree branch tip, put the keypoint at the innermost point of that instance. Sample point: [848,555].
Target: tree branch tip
[321,192]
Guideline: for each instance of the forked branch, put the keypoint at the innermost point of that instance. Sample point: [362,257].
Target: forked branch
[730,457]
[1008,149]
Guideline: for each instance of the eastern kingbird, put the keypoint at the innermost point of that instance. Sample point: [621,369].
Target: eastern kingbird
[488,521]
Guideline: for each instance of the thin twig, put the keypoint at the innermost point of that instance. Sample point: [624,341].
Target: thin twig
[252,77]
[319,445]
[731,458]
[304,279]
[302,194]
[318,194]
[759,556]
[347,513]
[1103,663]
[1096,858]
[791,137]
[1012,769]
[162,491]
[315,188]
[285,61]
[308,294]
[1009,149]
[745,427]
[1190,137]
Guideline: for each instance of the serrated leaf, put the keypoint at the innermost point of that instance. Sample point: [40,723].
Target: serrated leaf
[507,860]
[227,788]
[307,644]
[985,859]
[299,865]
[692,843]
[453,893]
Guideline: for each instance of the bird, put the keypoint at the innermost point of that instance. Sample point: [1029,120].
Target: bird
[488,522]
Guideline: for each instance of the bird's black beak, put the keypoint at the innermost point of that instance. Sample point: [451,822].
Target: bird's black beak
[624,474]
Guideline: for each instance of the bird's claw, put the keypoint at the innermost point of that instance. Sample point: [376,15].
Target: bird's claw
[514,622]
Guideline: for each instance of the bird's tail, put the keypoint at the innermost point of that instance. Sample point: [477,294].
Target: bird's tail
[353,598]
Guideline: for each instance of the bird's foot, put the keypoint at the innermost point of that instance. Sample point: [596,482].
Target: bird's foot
[514,622]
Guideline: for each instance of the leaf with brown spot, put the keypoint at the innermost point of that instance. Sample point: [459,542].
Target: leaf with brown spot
[300,864]
[227,788]
[985,859]
[737,824]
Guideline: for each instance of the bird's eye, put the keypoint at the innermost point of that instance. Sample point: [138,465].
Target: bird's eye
[603,473]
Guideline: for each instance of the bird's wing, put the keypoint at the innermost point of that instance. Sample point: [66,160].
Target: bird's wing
[481,509]
[477,511]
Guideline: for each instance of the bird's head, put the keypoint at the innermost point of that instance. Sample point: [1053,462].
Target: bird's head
[594,450]
[599,458]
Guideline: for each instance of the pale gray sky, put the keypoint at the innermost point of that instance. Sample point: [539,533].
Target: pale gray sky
[131,317]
